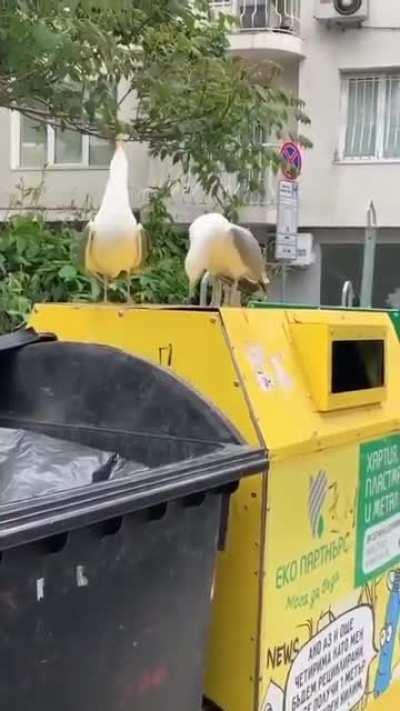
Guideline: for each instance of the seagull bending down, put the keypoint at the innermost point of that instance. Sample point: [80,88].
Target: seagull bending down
[116,243]
[224,250]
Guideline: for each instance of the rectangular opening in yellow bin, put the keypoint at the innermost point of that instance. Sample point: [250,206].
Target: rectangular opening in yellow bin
[344,365]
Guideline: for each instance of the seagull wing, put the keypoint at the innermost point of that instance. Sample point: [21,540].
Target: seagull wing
[250,254]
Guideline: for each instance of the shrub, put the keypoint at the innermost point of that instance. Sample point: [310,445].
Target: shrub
[43,263]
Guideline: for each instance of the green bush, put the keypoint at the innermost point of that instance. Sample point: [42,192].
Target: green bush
[43,263]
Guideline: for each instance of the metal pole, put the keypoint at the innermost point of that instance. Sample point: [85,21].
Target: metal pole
[216,294]
[347,295]
[367,280]
[203,289]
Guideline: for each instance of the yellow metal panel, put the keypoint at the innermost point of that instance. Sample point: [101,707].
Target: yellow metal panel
[281,399]
[313,344]
[193,344]
[337,317]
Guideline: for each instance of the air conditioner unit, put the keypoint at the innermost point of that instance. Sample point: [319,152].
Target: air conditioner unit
[305,251]
[342,12]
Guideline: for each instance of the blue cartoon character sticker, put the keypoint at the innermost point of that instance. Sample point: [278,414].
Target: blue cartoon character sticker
[388,635]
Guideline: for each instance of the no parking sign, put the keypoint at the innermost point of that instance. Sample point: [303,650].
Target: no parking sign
[291,159]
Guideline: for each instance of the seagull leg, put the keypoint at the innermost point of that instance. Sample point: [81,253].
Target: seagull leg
[235,299]
[226,285]
[238,297]
[227,291]
[105,282]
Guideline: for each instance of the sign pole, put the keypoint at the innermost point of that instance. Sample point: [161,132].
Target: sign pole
[288,211]
[367,281]
[286,229]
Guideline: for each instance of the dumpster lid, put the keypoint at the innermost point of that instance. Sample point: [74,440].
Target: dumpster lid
[23,337]
[108,399]
[27,521]
[104,398]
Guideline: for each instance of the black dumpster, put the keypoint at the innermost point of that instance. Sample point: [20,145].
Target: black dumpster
[105,584]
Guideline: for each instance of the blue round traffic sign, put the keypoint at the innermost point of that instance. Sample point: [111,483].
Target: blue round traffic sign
[291,159]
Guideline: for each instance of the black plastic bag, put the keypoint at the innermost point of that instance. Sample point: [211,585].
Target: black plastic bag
[33,464]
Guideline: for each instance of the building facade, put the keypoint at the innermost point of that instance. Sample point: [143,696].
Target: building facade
[349,77]
[350,81]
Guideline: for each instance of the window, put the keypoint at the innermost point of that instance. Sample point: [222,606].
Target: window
[35,145]
[371,117]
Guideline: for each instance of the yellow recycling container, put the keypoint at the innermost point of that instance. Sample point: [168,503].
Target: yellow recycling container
[307,595]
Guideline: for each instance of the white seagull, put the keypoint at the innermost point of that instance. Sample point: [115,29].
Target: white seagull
[226,251]
[117,243]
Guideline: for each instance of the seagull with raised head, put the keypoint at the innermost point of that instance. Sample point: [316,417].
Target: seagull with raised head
[117,243]
[226,251]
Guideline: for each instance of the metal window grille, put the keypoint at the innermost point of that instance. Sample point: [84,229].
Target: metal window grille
[372,117]
[278,15]
[283,15]
[391,148]
[362,114]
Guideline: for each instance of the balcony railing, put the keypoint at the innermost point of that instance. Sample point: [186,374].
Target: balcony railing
[273,15]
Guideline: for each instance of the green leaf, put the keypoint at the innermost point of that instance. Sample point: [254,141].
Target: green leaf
[68,272]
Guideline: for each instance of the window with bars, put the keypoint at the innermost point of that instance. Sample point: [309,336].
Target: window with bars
[371,117]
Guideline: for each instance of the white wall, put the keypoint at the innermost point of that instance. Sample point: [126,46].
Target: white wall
[334,194]
[64,187]
[303,285]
